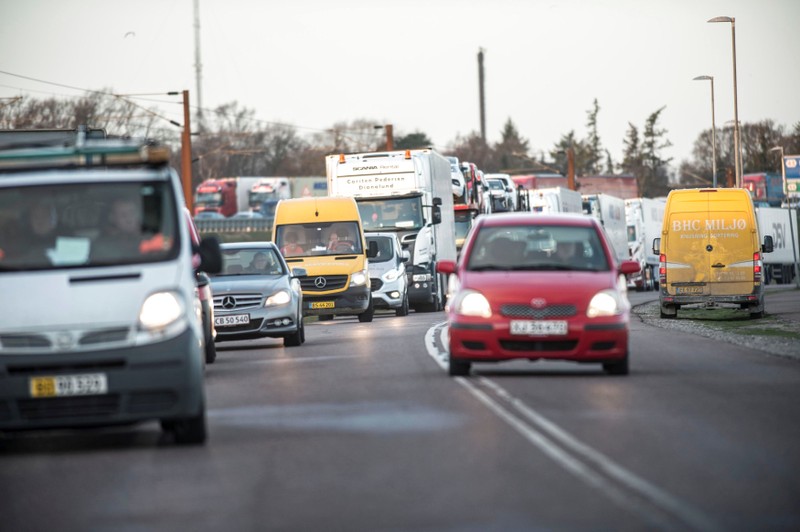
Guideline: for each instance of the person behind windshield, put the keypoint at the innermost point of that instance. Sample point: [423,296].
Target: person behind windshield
[123,236]
[38,235]
[567,253]
[340,244]
[291,247]
[259,264]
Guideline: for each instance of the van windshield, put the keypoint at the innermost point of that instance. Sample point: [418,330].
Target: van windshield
[87,225]
[318,239]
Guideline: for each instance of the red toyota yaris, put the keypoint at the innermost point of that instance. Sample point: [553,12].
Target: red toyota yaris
[532,286]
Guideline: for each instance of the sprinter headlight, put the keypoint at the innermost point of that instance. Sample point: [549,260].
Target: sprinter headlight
[160,310]
[359,278]
[278,298]
[473,303]
[605,303]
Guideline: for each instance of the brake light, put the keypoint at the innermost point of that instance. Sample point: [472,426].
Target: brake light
[757,267]
[662,270]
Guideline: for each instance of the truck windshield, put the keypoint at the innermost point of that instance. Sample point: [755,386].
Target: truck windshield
[319,239]
[87,225]
[463,222]
[208,199]
[391,214]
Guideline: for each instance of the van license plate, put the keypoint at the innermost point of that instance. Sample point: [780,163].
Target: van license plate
[230,321]
[689,290]
[88,384]
[540,328]
[322,304]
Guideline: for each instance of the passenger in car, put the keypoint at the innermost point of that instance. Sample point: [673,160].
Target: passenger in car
[291,248]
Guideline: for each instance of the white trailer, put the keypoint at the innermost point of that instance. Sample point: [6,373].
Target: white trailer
[610,210]
[644,217]
[781,224]
[555,199]
[408,192]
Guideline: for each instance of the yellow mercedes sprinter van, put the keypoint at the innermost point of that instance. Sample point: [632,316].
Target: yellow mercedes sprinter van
[710,251]
[325,236]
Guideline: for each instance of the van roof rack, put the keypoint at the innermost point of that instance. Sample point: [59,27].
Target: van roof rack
[85,151]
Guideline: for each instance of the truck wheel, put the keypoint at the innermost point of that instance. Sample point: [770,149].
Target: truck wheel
[366,316]
[669,312]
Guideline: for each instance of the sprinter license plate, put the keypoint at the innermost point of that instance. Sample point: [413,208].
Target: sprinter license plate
[66,385]
[539,328]
[689,290]
[322,304]
[230,321]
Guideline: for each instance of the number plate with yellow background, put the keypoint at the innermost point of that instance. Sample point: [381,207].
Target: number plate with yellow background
[322,304]
[89,384]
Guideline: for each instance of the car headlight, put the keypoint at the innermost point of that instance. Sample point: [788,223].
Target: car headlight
[472,303]
[160,310]
[281,297]
[391,275]
[605,303]
[358,278]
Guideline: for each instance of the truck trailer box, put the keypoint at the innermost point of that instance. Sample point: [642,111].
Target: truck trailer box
[781,224]
[555,199]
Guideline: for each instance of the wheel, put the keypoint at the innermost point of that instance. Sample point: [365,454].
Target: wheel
[303,334]
[458,368]
[403,310]
[617,368]
[296,338]
[366,316]
[669,315]
[211,351]
[187,431]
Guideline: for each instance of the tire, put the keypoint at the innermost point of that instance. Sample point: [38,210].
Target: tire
[211,351]
[366,316]
[296,338]
[403,310]
[617,368]
[665,315]
[458,368]
[188,431]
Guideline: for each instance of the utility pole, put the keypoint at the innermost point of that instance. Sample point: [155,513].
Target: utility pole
[481,94]
[198,67]
[571,168]
[186,155]
[389,137]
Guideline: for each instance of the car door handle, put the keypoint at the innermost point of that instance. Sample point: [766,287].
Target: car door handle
[718,265]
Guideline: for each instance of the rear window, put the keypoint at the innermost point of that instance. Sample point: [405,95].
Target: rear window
[87,225]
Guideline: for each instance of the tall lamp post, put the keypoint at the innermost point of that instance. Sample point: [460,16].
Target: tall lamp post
[736,136]
[713,130]
[783,169]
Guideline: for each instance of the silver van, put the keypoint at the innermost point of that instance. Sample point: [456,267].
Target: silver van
[99,316]
[387,273]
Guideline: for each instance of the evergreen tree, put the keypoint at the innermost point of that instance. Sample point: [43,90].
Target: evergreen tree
[653,181]
[593,145]
[512,150]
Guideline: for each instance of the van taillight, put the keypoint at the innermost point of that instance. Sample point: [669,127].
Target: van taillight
[757,266]
[662,270]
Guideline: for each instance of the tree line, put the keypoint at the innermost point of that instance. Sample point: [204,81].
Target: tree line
[230,141]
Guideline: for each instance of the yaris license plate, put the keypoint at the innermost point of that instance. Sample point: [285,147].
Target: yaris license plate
[539,327]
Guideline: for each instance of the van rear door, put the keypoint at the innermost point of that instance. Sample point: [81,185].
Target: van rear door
[687,259]
[732,240]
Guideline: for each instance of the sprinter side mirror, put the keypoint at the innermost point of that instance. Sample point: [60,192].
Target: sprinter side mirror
[210,255]
[767,247]
[657,246]
[372,249]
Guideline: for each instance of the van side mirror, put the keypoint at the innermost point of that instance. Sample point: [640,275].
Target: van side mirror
[405,256]
[437,201]
[657,246]
[436,211]
[768,245]
[210,255]
[372,249]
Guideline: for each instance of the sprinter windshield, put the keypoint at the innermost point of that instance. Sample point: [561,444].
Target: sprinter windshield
[324,238]
[86,225]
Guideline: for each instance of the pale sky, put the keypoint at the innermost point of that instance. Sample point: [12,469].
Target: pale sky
[413,63]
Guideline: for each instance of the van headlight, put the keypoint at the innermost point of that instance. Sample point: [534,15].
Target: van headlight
[278,298]
[605,303]
[359,278]
[160,310]
[391,275]
[473,303]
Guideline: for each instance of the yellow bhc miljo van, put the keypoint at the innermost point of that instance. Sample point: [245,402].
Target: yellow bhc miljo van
[324,236]
[710,251]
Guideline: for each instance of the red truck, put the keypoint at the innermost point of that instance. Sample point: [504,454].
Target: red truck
[216,195]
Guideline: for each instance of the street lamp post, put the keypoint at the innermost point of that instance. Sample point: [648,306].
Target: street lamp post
[736,135]
[713,130]
[783,169]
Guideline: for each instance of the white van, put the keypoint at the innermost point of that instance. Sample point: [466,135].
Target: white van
[99,318]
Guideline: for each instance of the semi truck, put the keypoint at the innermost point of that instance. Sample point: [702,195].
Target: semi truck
[226,196]
[610,210]
[268,189]
[780,265]
[644,217]
[555,199]
[766,188]
[408,192]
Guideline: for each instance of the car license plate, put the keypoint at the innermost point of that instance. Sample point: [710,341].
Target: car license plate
[540,328]
[230,321]
[322,304]
[88,384]
[689,290]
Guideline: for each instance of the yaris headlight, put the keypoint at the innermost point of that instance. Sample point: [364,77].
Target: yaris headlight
[473,303]
[605,303]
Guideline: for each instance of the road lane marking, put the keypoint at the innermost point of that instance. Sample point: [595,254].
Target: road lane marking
[653,504]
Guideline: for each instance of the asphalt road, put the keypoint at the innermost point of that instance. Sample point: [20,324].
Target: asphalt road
[361,429]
